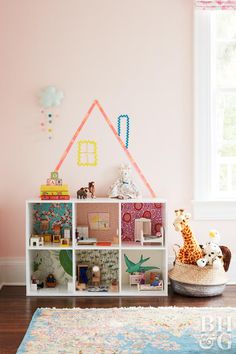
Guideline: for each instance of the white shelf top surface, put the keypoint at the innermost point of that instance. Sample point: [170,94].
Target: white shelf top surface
[123,292]
[59,289]
[144,247]
[100,200]
[133,289]
[50,247]
[87,247]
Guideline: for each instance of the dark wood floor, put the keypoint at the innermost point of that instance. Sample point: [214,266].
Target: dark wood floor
[16,309]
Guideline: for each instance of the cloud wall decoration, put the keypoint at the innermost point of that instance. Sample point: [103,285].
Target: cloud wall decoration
[51,97]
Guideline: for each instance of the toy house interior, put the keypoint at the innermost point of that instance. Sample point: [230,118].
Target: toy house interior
[118,183]
[143,224]
[142,271]
[97,271]
[50,225]
[97,224]
[51,271]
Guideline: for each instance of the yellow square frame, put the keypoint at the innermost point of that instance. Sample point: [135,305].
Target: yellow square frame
[80,151]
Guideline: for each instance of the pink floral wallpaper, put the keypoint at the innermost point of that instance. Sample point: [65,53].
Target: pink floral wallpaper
[132,211]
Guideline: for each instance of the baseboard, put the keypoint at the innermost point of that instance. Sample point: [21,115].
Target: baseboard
[12,270]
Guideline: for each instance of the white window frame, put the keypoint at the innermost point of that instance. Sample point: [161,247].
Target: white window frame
[205,205]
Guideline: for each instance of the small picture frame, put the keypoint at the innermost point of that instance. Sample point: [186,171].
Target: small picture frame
[65,242]
[99,221]
[56,238]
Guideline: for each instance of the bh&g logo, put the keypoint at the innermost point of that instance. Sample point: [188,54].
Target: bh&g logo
[216,331]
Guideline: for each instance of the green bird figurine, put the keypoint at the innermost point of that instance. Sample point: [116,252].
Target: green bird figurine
[137,267]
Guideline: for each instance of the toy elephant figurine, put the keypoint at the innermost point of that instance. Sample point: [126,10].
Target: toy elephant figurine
[82,193]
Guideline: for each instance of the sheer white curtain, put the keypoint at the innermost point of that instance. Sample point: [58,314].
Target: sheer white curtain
[216,4]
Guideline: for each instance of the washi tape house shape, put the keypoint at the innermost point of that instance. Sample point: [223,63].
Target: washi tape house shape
[120,141]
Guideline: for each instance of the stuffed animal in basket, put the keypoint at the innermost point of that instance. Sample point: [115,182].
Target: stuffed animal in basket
[215,236]
[213,255]
[190,252]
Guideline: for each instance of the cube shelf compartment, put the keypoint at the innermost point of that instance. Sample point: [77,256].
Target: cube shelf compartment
[129,283]
[93,236]
[107,262]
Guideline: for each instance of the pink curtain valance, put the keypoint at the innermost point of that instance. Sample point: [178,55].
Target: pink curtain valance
[216,4]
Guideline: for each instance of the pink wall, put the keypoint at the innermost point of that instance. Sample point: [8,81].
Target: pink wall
[135,56]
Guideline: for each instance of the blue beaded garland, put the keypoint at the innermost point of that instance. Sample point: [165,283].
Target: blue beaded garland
[126,117]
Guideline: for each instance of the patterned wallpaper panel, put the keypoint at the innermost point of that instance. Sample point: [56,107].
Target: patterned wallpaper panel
[132,211]
[55,213]
[107,260]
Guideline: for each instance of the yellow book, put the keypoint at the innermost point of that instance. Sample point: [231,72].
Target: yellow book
[46,188]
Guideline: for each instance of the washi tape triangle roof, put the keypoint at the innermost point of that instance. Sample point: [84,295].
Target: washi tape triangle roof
[111,126]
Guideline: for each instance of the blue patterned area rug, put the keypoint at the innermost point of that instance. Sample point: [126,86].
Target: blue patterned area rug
[131,330]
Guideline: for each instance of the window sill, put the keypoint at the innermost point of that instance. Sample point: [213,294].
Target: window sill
[214,209]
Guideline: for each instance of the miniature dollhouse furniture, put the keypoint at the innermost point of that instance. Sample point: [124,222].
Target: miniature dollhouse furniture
[36,241]
[157,238]
[135,279]
[96,276]
[82,273]
[143,233]
[82,232]
[109,243]
[142,227]
[65,242]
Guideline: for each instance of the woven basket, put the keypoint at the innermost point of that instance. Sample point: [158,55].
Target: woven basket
[191,280]
[197,290]
[192,274]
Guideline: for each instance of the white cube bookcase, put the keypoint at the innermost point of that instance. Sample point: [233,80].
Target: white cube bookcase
[121,244]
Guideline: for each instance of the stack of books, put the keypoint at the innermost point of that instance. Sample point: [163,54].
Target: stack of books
[54,189]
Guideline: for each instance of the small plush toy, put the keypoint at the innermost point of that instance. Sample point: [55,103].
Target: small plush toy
[156,281]
[82,193]
[51,281]
[213,255]
[215,236]
[91,189]
[124,187]
[226,257]
[223,253]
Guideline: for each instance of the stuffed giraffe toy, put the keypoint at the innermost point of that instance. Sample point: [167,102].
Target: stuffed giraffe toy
[190,252]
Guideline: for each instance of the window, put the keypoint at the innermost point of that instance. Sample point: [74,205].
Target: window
[215,114]
[224,102]
[87,153]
